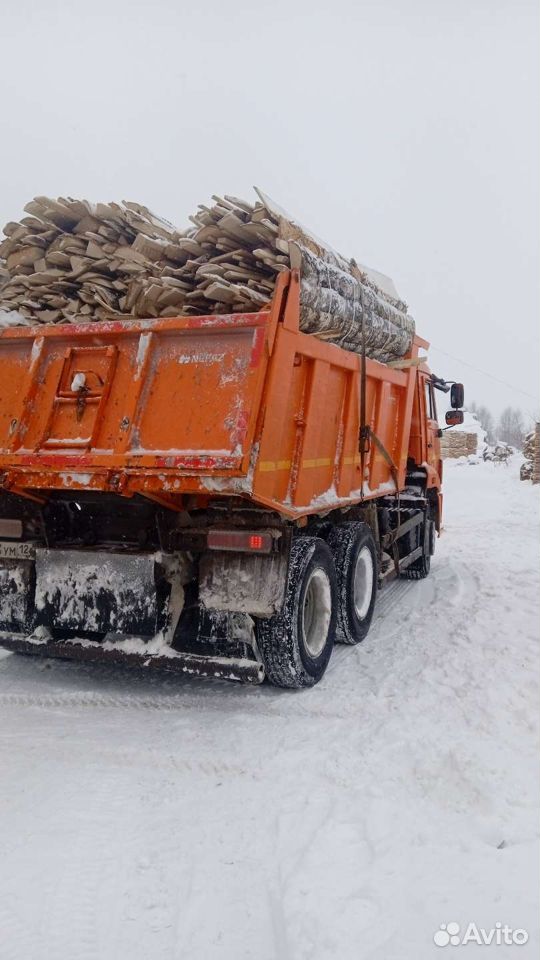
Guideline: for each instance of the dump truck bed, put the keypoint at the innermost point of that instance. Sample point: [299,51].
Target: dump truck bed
[237,404]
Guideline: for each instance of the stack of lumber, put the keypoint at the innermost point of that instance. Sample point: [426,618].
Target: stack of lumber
[458,443]
[71,260]
[472,443]
[530,470]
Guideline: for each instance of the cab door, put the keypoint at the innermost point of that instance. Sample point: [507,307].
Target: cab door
[432,448]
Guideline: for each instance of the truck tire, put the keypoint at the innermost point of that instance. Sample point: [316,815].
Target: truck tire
[355,558]
[296,644]
[419,570]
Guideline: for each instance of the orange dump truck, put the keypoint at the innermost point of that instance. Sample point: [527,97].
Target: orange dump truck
[219,495]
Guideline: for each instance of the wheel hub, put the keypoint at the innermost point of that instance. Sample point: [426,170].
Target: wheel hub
[316,612]
[363,582]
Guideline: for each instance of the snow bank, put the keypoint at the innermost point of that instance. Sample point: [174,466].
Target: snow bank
[471,424]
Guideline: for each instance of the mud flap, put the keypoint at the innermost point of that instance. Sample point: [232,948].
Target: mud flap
[17,581]
[101,592]
[243,582]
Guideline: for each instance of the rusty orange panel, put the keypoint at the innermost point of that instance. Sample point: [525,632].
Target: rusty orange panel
[154,394]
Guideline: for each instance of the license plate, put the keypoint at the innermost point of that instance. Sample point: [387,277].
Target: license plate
[17,551]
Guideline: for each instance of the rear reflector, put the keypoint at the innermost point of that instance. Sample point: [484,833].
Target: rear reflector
[244,540]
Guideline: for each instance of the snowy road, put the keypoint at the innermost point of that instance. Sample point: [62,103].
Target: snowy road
[142,818]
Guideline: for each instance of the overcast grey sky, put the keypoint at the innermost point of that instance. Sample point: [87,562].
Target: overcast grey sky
[403,132]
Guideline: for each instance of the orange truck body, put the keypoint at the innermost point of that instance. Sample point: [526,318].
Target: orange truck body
[185,409]
[225,493]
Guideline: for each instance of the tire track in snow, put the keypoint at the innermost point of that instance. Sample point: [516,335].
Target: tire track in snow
[94,700]
[392,596]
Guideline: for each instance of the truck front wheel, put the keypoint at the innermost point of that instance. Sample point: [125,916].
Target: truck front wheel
[355,558]
[296,644]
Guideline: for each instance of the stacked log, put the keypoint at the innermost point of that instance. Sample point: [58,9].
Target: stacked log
[71,260]
[472,443]
[458,443]
[530,470]
[334,302]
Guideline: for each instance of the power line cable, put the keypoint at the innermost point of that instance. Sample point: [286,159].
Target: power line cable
[485,373]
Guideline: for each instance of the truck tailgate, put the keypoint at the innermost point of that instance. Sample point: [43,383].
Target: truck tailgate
[91,405]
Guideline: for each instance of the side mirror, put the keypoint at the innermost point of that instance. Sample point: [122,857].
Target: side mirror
[453,417]
[457,396]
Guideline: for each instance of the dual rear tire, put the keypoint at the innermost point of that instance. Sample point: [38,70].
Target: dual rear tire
[296,643]
[330,595]
[355,558]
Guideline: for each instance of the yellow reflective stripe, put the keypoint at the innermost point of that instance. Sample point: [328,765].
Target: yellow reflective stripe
[270,466]
[321,462]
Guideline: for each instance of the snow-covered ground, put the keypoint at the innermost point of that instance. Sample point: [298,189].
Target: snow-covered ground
[146,818]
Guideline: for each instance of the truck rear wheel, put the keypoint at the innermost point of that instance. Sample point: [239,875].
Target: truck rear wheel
[296,644]
[355,558]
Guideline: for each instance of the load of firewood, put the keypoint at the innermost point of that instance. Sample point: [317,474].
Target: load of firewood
[70,260]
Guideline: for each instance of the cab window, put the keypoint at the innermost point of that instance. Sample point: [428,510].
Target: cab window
[431,412]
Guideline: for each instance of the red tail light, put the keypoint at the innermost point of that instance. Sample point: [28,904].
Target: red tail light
[243,540]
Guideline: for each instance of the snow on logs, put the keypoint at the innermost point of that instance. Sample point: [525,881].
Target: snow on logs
[530,470]
[70,260]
